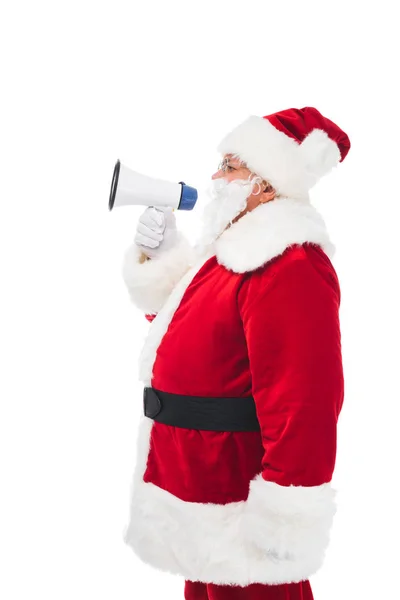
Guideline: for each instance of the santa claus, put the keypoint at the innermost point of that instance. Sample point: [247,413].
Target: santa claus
[242,371]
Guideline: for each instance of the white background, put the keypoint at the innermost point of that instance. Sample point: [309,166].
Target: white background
[157,84]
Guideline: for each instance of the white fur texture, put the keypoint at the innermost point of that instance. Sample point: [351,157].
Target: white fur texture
[254,239]
[319,153]
[150,283]
[279,158]
[268,230]
[279,535]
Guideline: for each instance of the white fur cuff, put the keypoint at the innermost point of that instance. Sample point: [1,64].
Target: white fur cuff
[289,522]
[151,282]
[278,535]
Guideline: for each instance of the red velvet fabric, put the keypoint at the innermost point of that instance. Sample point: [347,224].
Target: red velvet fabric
[297,123]
[273,333]
[195,590]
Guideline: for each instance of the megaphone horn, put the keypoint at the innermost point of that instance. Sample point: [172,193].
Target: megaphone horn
[130,188]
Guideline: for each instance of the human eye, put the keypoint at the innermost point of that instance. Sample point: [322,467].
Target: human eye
[224,166]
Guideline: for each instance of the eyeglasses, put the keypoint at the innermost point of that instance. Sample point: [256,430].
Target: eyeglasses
[224,166]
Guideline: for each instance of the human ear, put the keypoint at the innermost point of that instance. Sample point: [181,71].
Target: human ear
[268,193]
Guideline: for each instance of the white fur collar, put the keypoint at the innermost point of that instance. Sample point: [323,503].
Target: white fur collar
[267,231]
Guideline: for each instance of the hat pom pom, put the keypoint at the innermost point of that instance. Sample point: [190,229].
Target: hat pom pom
[319,153]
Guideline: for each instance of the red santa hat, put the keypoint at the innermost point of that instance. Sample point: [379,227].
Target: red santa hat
[292,149]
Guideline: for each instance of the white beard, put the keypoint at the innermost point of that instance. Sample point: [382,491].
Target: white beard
[228,199]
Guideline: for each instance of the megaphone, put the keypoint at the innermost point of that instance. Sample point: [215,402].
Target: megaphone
[130,188]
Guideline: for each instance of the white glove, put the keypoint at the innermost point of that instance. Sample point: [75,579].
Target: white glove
[156,231]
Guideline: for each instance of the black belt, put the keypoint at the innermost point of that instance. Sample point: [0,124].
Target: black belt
[198,412]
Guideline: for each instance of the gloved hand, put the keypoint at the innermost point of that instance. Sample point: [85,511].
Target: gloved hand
[156,231]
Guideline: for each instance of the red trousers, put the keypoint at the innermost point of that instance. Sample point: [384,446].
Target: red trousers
[195,590]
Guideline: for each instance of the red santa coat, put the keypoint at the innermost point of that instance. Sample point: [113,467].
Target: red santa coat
[258,315]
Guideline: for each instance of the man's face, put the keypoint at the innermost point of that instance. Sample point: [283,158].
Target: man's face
[232,196]
[234,169]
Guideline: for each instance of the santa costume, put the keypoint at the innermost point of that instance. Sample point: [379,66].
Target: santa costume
[243,382]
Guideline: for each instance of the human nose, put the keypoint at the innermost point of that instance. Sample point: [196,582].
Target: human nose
[217,174]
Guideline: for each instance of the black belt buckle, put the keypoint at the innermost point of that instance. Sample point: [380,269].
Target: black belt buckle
[151,403]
